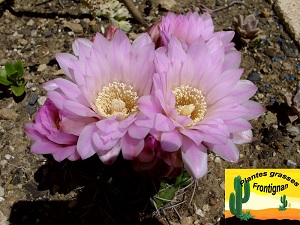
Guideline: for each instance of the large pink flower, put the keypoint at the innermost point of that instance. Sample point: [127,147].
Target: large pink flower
[107,79]
[198,102]
[187,29]
[55,132]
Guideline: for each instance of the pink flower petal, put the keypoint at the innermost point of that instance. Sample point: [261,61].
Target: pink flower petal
[131,147]
[64,153]
[242,137]
[194,158]
[227,151]
[111,155]
[171,141]
[85,145]
[137,132]
[162,123]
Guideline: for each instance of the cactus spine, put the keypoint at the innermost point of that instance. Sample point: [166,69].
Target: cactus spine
[236,200]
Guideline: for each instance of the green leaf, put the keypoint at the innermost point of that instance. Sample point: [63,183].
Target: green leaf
[10,69]
[4,81]
[13,77]
[18,91]
[19,68]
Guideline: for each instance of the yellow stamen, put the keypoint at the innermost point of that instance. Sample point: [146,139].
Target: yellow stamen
[190,102]
[116,99]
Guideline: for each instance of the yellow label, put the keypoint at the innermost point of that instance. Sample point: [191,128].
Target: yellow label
[274,194]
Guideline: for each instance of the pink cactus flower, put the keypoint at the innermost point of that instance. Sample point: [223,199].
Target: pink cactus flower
[55,132]
[155,162]
[107,77]
[198,101]
[188,28]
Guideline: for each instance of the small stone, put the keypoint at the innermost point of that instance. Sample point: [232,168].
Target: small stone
[166,4]
[265,14]
[218,160]
[292,131]
[1,191]
[222,185]
[32,99]
[33,88]
[31,109]
[287,66]
[3,219]
[270,118]
[8,156]
[206,208]
[270,52]
[10,200]
[75,27]
[8,114]
[30,22]
[3,162]
[291,164]
[254,77]
[41,100]
[42,67]
[213,201]
[23,42]
[48,33]
[199,212]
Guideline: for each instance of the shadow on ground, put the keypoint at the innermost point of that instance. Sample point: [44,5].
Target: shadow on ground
[106,195]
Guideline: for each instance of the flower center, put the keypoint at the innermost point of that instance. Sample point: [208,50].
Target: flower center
[116,99]
[190,102]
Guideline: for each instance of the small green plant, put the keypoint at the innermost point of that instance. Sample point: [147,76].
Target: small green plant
[246,216]
[236,200]
[284,203]
[12,79]
[168,189]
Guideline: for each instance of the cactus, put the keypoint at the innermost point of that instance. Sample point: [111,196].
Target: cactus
[236,200]
[284,203]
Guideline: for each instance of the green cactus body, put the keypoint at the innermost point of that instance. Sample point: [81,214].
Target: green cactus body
[284,203]
[236,200]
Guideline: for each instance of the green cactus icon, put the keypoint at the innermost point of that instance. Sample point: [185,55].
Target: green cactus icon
[236,200]
[284,203]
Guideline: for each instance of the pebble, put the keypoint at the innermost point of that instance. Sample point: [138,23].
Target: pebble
[289,49]
[218,160]
[30,22]
[23,42]
[31,109]
[213,201]
[3,162]
[270,52]
[41,100]
[292,131]
[1,191]
[32,99]
[206,208]
[3,219]
[199,212]
[8,114]
[222,185]
[166,4]
[291,164]
[254,77]
[8,156]
[42,67]
[75,27]
[270,118]
[48,33]
[10,200]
